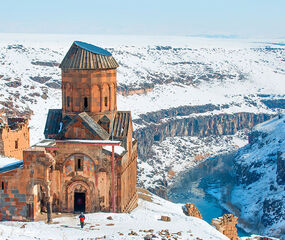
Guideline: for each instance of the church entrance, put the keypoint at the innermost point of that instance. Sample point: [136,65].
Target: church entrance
[79,202]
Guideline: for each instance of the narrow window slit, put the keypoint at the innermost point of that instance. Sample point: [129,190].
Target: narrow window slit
[85,102]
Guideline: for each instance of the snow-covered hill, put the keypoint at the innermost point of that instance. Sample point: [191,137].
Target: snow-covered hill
[143,221]
[260,169]
[177,71]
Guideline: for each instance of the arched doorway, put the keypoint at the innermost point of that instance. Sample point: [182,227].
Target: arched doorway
[37,203]
[78,197]
[79,202]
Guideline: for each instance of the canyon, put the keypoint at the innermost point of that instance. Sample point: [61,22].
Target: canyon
[179,122]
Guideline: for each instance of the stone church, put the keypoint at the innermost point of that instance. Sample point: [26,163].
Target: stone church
[88,161]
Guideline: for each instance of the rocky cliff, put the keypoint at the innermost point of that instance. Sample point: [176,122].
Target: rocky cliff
[184,121]
[260,168]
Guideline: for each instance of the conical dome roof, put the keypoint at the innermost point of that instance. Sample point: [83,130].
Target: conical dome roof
[86,56]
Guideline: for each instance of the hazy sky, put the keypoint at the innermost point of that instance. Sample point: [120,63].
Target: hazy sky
[251,18]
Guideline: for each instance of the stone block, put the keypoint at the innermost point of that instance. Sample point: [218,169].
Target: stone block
[165,218]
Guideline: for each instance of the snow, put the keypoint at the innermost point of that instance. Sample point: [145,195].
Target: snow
[274,126]
[144,218]
[60,127]
[8,161]
[118,149]
[86,141]
[45,143]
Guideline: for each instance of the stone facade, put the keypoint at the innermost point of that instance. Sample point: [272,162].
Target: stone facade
[226,225]
[14,137]
[75,168]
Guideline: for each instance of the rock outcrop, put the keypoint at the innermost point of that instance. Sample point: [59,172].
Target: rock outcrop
[226,225]
[280,174]
[274,103]
[191,210]
[165,218]
[128,91]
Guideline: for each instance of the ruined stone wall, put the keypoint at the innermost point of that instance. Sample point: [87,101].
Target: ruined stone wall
[37,172]
[128,181]
[227,226]
[127,195]
[94,85]
[12,197]
[19,200]
[13,141]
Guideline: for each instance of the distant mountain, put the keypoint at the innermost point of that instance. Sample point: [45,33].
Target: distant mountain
[222,36]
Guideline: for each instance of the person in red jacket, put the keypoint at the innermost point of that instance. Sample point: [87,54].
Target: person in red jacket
[82,218]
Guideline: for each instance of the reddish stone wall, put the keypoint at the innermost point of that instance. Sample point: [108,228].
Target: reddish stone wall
[17,197]
[94,85]
[128,175]
[128,181]
[13,205]
[13,141]
[13,202]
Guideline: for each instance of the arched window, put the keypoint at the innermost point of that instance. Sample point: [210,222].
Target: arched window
[79,163]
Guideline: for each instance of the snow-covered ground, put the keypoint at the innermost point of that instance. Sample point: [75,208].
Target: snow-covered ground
[144,220]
